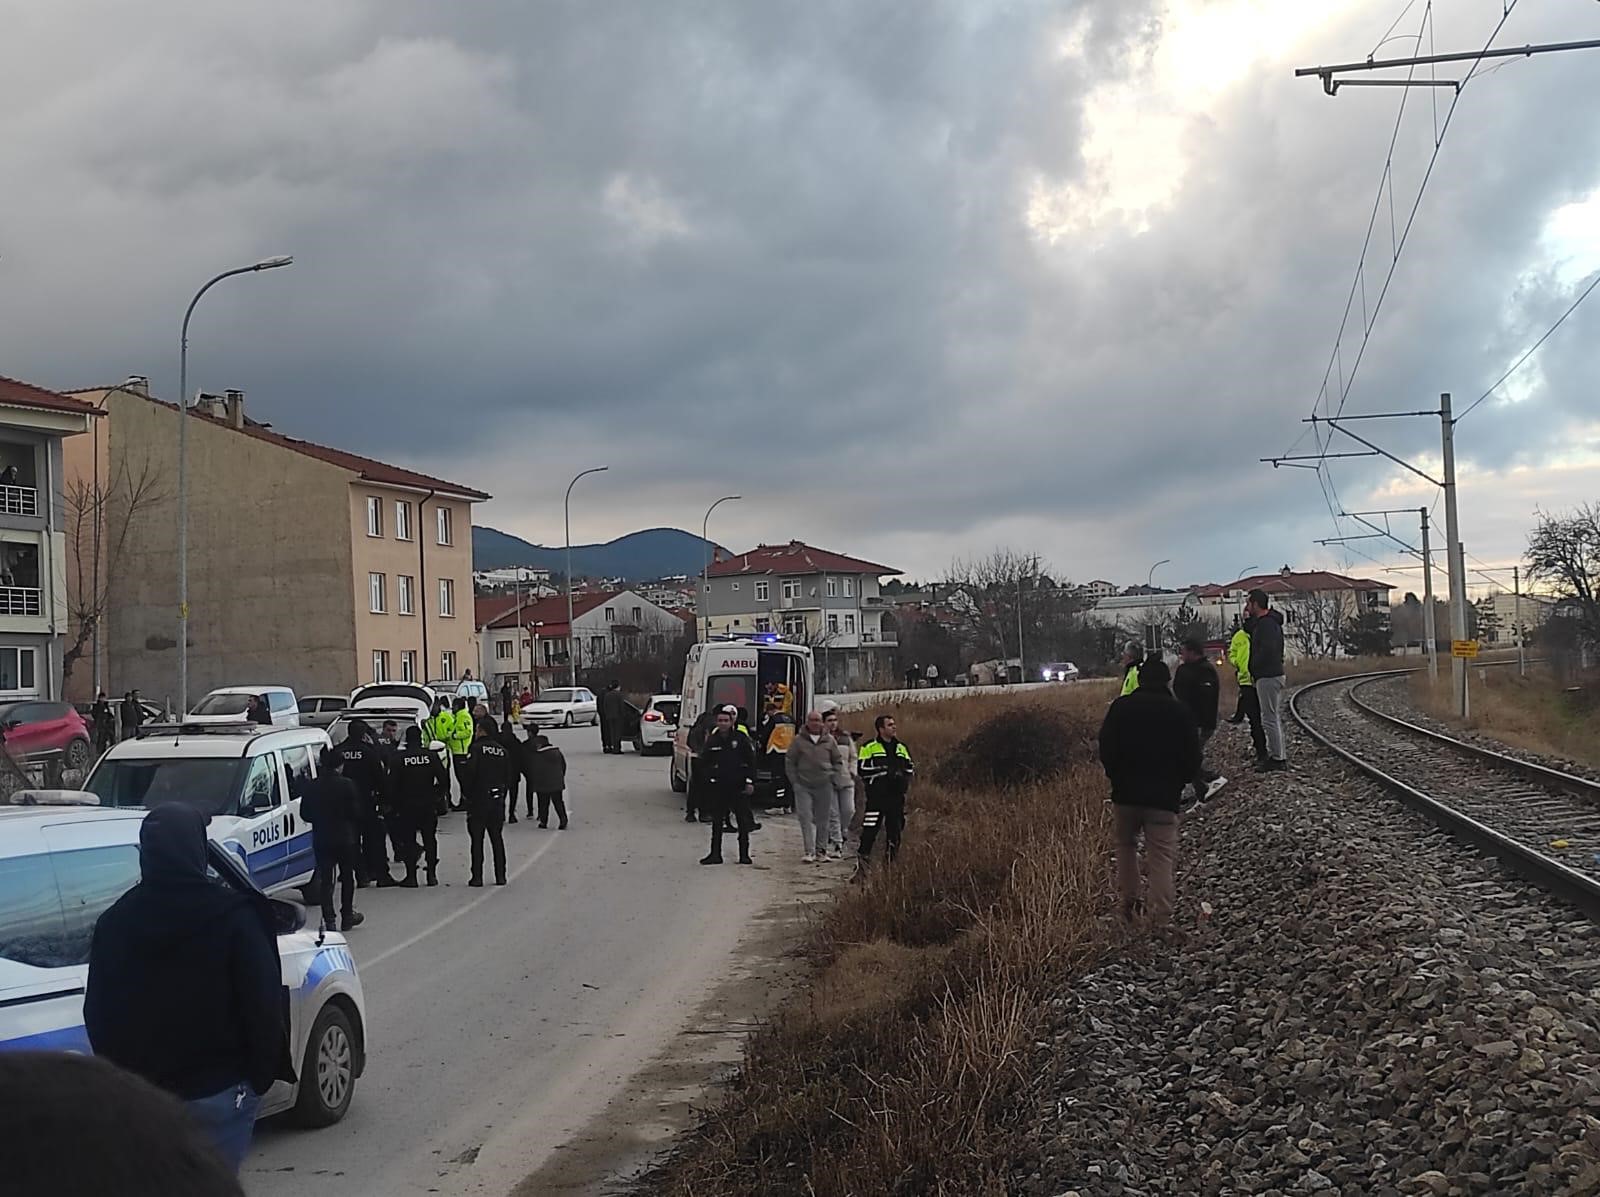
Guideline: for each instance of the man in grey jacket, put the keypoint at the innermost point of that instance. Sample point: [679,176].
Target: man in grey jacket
[1266,667]
[813,763]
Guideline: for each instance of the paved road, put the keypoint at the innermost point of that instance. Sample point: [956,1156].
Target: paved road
[503,1020]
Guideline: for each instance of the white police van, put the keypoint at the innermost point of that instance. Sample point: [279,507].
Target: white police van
[62,866]
[247,778]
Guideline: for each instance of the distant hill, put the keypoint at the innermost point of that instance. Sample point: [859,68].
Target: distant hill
[638,556]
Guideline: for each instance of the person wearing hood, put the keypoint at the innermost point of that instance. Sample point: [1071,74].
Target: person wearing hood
[613,715]
[1266,668]
[185,986]
[332,805]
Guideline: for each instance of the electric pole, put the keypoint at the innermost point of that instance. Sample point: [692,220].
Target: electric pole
[1429,632]
[1455,558]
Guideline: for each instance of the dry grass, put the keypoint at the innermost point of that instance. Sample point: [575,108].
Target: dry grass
[1535,713]
[899,1070]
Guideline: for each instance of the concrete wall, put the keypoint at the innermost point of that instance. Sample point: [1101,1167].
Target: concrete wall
[269,563]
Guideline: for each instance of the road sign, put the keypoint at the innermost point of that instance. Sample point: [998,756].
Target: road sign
[1467,649]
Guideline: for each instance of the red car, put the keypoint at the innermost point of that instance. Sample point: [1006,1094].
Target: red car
[33,727]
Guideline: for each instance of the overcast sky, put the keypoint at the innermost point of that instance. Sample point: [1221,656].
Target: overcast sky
[915,278]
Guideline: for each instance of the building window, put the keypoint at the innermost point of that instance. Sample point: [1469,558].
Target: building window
[763,592]
[380,665]
[791,588]
[850,623]
[17,674]
[503,650]
[849,588]
[402,520]
[445,529]
[638,616]
[408,665]
[375,592]
[374,516]
[833,587]
[447,666]
[597,647]
[833,624]
[794,625]
[405,599]
[763,624]
[447,596]
[734,586]
[554,650]
[611,615]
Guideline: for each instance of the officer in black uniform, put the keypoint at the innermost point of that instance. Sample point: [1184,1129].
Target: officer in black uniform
[729,763]
[488,773]
[420,777]
[362,763]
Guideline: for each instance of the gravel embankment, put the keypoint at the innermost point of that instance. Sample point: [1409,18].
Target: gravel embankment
[1371,1009]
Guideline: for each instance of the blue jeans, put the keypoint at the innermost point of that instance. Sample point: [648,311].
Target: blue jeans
[228,1120]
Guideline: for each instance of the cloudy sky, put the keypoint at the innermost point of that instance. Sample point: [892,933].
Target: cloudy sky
[916,278]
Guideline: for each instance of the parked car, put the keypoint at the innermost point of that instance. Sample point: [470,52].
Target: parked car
[1058,671]
[472,689]
[658,724]
[394,695]
[247,779]
[62,866]
[228,704]
[30,728]
[563,707]
[319,710]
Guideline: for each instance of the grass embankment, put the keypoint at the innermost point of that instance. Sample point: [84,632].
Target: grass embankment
[898,1070]
[1536,713]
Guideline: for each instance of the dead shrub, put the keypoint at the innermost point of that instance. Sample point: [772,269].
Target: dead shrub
[1020,746]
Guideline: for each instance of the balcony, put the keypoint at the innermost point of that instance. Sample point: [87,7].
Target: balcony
[20,600]
[19,500]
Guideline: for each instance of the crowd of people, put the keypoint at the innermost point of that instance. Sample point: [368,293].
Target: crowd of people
[1153,746]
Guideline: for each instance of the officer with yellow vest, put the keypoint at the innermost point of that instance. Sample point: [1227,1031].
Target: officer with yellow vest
[886,773]
[1132,654]
[1249,704]
[461,736]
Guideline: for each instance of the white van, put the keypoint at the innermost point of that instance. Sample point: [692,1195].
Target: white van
[247,778]
[228,704]
[742,671]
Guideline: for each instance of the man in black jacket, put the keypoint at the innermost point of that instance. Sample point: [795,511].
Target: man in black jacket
[1266,667]
[332,805]
[728,762]
[1195,685]
[185,986]
[362,763]
[1150,750]
[486,799]
[546,769]
[613,715]
[421,779]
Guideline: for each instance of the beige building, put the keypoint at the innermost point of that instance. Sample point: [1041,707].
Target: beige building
[308,566]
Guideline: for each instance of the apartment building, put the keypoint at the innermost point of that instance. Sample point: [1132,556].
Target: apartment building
[35,609]
[827,600]
[309,566]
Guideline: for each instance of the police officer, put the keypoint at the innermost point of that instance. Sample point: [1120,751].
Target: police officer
[362,763]
[419,778]
[333,808]
[728,761]
[462,735]
[489,768]
[886,772]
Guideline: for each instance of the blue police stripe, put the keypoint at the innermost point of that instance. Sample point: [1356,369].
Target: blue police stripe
[64,1039]
[326,962]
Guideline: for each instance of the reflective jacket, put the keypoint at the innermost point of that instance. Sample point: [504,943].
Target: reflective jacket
[1130,680]
[1239,656]
[461,732]
[886,768]
[442,727]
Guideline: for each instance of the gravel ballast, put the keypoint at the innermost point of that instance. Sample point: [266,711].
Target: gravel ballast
[1370,1008]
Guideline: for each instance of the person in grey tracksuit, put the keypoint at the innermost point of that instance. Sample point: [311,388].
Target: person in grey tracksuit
[812,763]
[1266,667]
[843,809]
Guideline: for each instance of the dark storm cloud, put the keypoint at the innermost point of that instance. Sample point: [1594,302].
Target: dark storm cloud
[774,249]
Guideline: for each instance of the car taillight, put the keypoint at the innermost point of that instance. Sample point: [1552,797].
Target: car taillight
[652,717]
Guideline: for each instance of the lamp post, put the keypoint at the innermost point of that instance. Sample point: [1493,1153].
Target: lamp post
[566,516]
[183,472]
[1244,573]
[705,568]
[1151,637]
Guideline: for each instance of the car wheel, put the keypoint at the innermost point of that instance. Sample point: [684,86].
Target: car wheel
[328,1071]
[638,746]
[567,722]
[679,786]
[78,754]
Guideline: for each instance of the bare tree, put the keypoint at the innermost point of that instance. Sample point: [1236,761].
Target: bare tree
[1312,623]
[99,519]
[1564,550]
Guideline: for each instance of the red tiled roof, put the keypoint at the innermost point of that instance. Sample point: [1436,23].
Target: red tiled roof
[25,394]
[1309,582]
[489,607]
[794,558]
[550,611]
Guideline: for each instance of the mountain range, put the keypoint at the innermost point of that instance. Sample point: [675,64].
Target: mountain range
[638,556]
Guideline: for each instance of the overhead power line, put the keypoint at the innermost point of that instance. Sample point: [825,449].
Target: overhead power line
[1532,349]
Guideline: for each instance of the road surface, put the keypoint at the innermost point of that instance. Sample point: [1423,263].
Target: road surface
[503,1021]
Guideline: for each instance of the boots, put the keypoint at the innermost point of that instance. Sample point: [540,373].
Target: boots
[353,919]
[410,881]
[433,876]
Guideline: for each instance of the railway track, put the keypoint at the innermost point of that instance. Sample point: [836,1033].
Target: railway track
[1540,822]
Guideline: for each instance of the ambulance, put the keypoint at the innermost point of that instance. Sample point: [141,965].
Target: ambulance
[745,672]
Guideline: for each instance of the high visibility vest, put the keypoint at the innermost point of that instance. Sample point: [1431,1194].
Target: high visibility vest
[1130,680]
[874,759]
[1239,656]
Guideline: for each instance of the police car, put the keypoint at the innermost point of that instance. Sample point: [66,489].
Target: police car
[247,778]
[62,866]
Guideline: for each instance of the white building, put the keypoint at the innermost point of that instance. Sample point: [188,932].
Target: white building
[1098,589]
[607,627]
[1530,609]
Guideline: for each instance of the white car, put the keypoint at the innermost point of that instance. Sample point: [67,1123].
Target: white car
[658,724]
[1059,671]
[228,704]
[473,690]
[565,707]
[61,867]
[393,696]
[247,778]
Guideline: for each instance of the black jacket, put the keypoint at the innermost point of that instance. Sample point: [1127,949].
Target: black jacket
[185,986]
[1266,644]
[419,778]
[545,766]
[728,762]
[1195,685]
[613,706]
[132,714]
[1150,749]
[489,773]
[332,805]
[363,765]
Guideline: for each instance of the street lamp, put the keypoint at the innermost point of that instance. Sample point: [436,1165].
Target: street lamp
[566,516]
[1242,574]
[1151,638]
[1151,576]
[705,568]
[183,472]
